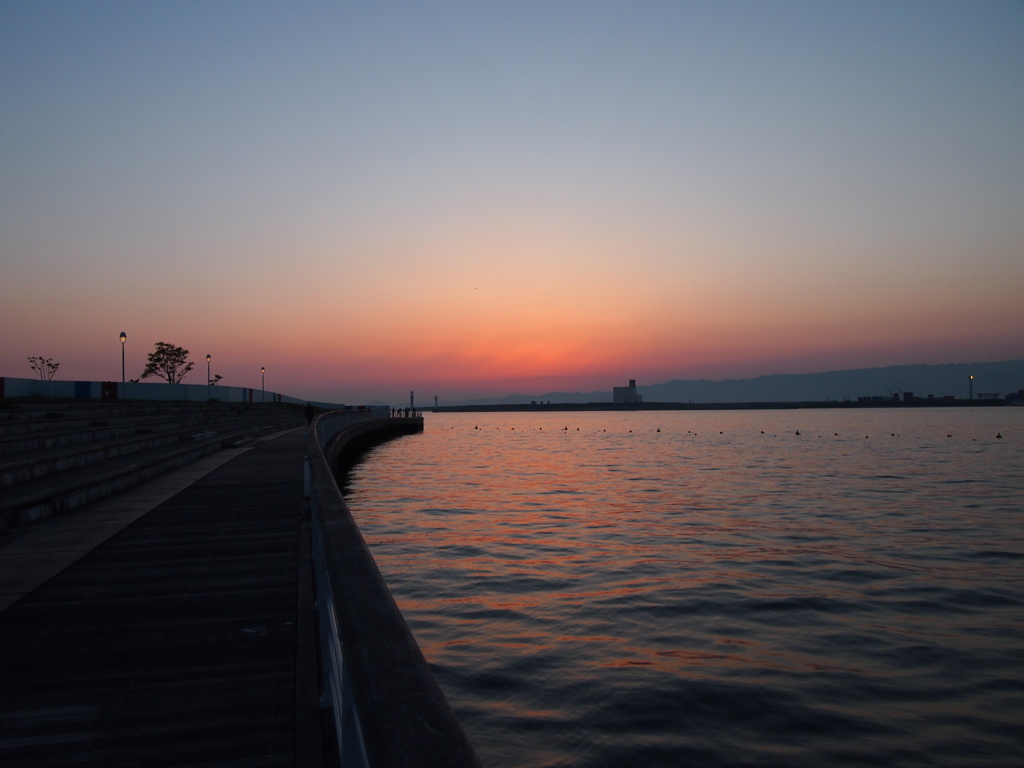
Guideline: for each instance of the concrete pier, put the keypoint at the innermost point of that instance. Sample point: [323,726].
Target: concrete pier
[176,624]
[178,640]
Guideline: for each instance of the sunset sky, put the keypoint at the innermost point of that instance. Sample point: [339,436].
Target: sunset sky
[477,199]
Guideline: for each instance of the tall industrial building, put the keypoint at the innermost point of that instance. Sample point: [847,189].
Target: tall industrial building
[625,395]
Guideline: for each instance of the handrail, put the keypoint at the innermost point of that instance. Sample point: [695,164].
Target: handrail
[387,708]
[331,423]
[336,696]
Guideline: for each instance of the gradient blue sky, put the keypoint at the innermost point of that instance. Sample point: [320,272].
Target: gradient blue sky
[484,198]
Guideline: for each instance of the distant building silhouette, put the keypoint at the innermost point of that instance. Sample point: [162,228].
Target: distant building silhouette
[625,395]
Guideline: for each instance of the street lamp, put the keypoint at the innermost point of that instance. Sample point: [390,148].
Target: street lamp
[208,359]
[263,384]
[970,387]
[123,337]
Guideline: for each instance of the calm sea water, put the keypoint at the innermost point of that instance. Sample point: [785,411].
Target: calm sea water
[713,588]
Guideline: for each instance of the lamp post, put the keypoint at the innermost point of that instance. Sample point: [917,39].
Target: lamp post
[263,384]
[970,387]
[123,337]
[208,359]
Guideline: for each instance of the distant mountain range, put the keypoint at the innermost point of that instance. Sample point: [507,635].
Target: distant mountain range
[1001,379]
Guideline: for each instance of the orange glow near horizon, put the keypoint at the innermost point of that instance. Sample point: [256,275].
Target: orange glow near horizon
[509,306]
[559,209]
[393,343]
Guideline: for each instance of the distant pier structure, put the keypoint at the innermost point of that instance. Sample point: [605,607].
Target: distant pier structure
[626,395]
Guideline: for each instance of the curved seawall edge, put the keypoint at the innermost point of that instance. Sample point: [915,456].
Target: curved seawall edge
[404,717]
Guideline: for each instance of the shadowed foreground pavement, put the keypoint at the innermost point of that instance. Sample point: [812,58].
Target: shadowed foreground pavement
[184,639]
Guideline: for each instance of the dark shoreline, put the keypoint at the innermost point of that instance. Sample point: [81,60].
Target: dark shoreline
[553,407]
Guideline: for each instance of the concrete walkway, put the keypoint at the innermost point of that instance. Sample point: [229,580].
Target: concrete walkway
[169,625]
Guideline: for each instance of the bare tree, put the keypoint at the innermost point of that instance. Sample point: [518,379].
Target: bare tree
[45,367]
[168,362]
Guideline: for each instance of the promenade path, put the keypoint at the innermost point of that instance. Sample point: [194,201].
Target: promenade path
[168,625]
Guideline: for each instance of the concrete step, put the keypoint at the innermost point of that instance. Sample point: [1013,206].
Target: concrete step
[23,459]
[85,464]
[105,431]
[29,465]
[28,502]
[68,424]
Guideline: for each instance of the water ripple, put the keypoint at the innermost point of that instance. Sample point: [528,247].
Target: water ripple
[720,592]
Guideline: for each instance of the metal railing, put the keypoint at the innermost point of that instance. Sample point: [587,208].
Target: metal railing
[386,708]
[346,741]
[330,424]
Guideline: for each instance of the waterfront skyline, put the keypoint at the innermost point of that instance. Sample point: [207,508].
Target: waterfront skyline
[474,201]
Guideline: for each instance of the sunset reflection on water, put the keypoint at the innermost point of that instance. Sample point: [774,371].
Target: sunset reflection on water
[602,588]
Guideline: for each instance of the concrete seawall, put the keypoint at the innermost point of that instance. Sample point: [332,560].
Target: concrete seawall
[349,443]
[403,715]
[212,584]
[56,456]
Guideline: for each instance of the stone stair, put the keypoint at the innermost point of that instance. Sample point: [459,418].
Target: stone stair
[57,455]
